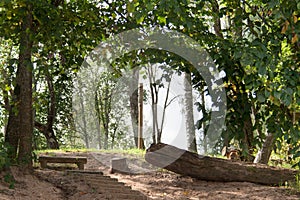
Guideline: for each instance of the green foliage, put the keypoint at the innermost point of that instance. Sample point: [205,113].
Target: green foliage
[5,160]
[257,48]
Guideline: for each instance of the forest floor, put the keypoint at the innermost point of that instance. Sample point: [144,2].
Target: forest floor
[54,184]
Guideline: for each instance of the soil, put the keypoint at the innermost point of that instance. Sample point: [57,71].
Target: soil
[53,183]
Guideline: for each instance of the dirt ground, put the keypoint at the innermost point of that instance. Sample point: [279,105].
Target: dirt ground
[53,184]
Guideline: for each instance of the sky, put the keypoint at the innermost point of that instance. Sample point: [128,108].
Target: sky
[174,131]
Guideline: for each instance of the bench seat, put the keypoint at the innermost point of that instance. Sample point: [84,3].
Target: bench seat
[80,161]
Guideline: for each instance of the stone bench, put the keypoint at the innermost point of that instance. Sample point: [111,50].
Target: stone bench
[80,161]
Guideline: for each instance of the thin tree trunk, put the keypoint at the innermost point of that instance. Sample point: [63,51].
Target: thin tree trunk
[154,101]
[140,120]
[217,22]
[264,154]
[98,123]
[83,118]
[189,116]
[107,117]
[247,146]
[134,105]
[204,123]
[99,134]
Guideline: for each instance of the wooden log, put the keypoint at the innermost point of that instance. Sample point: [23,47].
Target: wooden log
[215,169]
[119,165]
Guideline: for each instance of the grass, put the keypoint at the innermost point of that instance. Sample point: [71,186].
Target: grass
[135,151]
[295,185]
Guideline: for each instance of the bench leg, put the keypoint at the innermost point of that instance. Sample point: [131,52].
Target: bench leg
[80,166]
[43,164]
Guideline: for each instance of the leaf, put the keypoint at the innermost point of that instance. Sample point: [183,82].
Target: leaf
[277,94]
[295,38]
[130,7]
[287,100]
[7,88]
[295,18]
[261,98]
[289,91]
[162,20]
[140,19]
[285,27]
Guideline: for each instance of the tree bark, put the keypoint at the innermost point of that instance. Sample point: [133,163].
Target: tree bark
[217,22]
[49,135]
[247,146]
[47,129]
[134,103]
[215,169]
[189,115]
[12,135]
[24,85]
[83,118]
[264,154]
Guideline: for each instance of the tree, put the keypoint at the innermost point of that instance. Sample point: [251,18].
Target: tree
[47,129]
[189,112]
[27,24]
[20,122]
[159,76]
[246,39]
[256,44]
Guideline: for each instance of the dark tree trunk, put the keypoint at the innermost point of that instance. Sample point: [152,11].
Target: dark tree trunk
[24,83]
[47,129]
[247,146]
[12,134]
[217,21]
[215,169]
[49,135]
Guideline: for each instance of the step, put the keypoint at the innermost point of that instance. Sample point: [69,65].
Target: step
[85,172]
[119,196]
[103,181]
[106,185]
[112,186]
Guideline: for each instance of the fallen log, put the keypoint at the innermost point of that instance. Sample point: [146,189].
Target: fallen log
[215,169]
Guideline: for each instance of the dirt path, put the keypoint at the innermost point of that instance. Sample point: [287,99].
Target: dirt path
[52,184]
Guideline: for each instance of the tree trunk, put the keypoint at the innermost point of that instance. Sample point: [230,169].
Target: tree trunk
[12,135]
[47,129]
[134,103]
[99,133]
[83,118]
[98,123]
[247,146]
[48,132]
[215,169]
[217,20]
[189,114]
[264,154]
[24,83]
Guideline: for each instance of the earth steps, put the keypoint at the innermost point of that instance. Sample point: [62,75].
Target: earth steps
[110,187]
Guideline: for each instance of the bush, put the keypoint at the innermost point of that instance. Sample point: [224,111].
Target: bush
[5,160]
